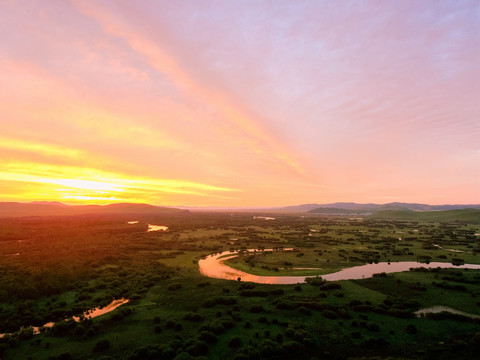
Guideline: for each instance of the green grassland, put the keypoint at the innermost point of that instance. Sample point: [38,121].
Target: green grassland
[352,243]
[66,265]
[471,216]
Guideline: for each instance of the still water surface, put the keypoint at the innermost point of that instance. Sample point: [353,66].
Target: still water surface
[157,228]
[150,226]
[440,309]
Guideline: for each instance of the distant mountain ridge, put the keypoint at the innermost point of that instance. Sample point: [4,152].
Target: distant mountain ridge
[46,208]
[371,207]
[52,208]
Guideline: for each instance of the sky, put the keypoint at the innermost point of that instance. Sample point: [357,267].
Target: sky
[240,103]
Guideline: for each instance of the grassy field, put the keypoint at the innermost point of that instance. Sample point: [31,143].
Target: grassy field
[69,264]
[471,216]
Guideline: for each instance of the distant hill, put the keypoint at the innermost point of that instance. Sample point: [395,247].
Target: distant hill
[56,203]
[303,207]
[370,207]
[45,208]
[471,216]
[328,210]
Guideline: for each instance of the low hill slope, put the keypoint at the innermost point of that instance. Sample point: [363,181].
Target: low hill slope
[15,209]
[471,216]
[371,207]
[328,210]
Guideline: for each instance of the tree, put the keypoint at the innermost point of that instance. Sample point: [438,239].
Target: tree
[235,342]
[102,345]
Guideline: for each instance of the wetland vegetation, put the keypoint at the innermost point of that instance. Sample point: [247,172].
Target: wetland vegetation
[54,268]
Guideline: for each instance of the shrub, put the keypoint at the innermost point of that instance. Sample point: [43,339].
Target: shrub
[219,301]
[300,335]
[411,329]
[254,293]
[102,345]
[329,314]
[330,286]
[168,353]
[277,292]
[198,348]
[175,287]
[458,261]
[228,324]
[26,334]
[262,320]
[373,327]
[356,335]
[170,324]
[215,326]
[208,337]
[291,347]
[193,317]
[64,356]
[304,310]
[289,332]
[269,350]
[235,342]
[476,337]
[148,352]
[256,309]
[118,316]
[286,305]
[62,328]
[79,330]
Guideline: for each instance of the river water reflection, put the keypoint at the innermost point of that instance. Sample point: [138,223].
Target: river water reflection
[213,266]
[89,314]
[150,226]
[157,228]
[440,309]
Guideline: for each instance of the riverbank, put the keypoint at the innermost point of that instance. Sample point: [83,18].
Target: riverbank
[89,314]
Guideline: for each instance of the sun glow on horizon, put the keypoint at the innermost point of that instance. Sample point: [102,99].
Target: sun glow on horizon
[56,182]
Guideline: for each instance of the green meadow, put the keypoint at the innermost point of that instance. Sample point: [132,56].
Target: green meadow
[66,265]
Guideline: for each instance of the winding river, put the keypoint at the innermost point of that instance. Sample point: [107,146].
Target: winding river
[89,314]
[213,266]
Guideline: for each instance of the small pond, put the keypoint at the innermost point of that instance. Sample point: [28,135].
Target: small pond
[157,228]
